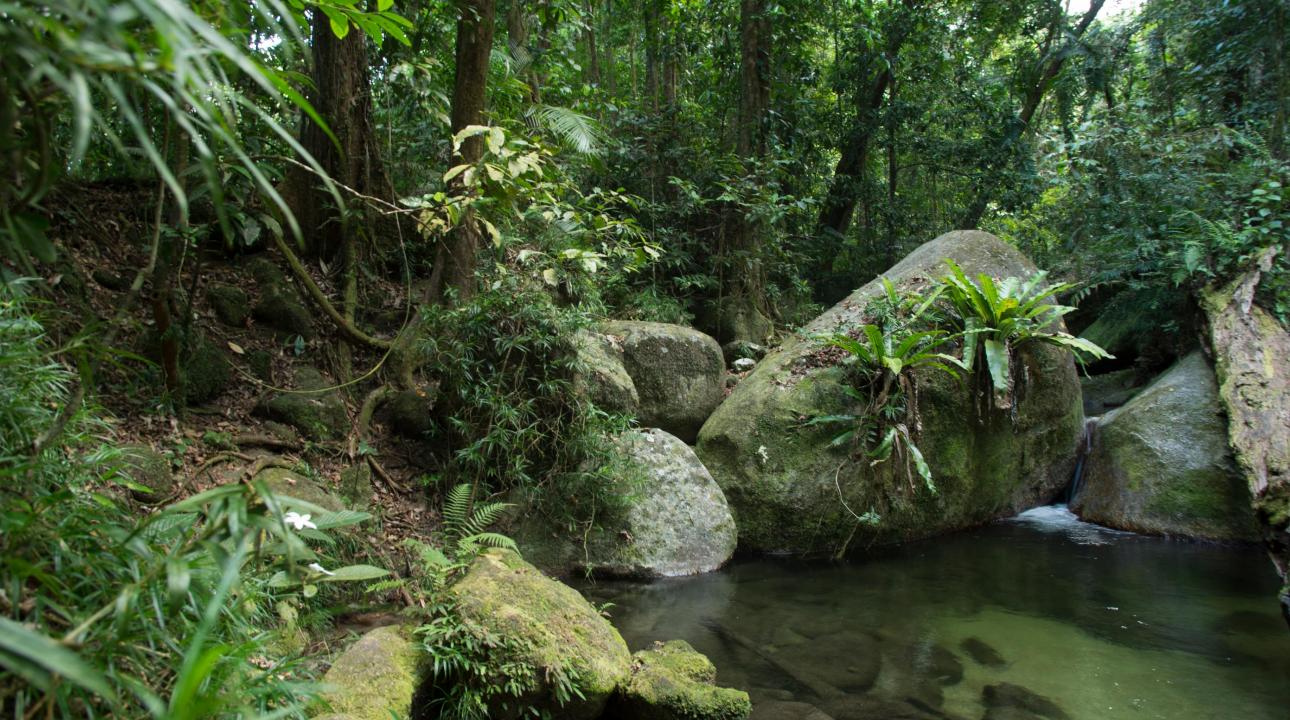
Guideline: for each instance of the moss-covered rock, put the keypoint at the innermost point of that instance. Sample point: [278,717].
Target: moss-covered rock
[284,313]
[356,484]
[206,371]
[676,521]
[549,628]
[671,681]
[375,678]
[267,274]
[408,413]
[292,484]
[786,485]
[601,375]
[312,408]
[1161,463]
[230,304]
[678,373]
[150,471]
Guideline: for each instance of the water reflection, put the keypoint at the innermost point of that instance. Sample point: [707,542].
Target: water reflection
[1096,623]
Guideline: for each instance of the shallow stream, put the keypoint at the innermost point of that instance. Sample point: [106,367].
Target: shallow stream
[1057,617]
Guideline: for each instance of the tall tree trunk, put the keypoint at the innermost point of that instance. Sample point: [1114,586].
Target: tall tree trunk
[891,249]
[1052,66]
[457,256]
[743,314]
[589,38]
[343,97]
[652,54]
[848,175]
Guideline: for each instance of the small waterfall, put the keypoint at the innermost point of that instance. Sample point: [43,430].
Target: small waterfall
[1085,447]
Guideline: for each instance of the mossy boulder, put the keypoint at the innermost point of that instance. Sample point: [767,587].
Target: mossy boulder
[206,371]
[1108,391]
[549,628]
[678,373]
[312,407]
[292,484]
[671,681]
[790,491]
[230,304]
[150,471]
[409,413]
[375,678]
[1161,464]
[601,374]
[676,521]
[283,312]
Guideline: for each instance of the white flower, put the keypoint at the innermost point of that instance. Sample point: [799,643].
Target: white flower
[298,521]
[320,569]
[764,454]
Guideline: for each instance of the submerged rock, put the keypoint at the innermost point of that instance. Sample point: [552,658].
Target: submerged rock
[1161,463]
[787,486]
[375,678]
[1006,701]
[672,681]
[678,373]
[982,653]
[676,523]
[787,710]
[550,628]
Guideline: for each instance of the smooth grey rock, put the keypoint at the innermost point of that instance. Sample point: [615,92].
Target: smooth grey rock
[678,373]
[1161,464]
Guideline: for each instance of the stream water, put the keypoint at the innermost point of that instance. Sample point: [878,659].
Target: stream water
[1104,625]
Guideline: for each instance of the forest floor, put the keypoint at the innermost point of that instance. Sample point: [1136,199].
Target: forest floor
[104,232]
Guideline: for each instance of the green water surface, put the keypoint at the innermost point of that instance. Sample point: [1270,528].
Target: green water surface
[1098,624]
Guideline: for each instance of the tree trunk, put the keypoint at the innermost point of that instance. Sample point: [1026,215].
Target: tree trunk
[343,97]
[652,54]
[743,312]
[891,250]
[589,38]
[457,257]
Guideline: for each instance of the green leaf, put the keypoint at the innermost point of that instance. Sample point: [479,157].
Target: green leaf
[34,654]
[354,572]
[996,357]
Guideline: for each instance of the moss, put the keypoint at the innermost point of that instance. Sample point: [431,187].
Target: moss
[206,371]
[284,313]
[267,275]
[291,484]
[150,471]
[230,304]
[552,628]
[356,484]
[673,682]
[216,440]
[375,678]
[318,412]
[261,364]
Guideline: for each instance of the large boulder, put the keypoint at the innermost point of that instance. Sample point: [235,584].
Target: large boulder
[601,374]
[1251,350]
[672,681]
[678,373]
[375,678]
[787,486]
[1161,464]
[549,628]
[676,522]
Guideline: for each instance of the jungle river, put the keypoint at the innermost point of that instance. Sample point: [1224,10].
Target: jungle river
[1039,616]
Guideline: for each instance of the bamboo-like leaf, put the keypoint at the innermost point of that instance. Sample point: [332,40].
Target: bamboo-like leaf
[31,654]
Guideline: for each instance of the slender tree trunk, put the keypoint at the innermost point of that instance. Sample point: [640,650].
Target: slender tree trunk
[611,55]
[589,38]
[343,97]
[457,257]
[893,171]
[652,54]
